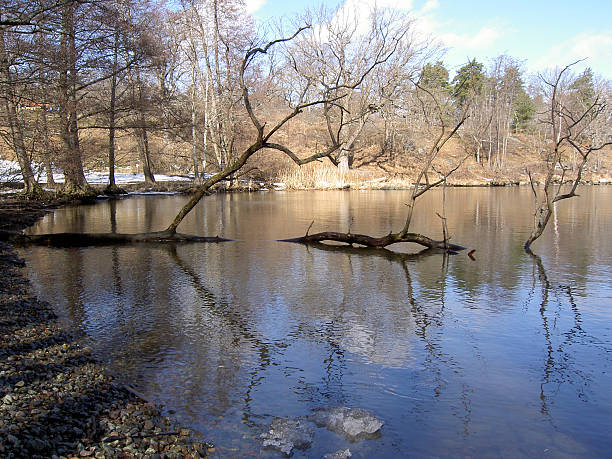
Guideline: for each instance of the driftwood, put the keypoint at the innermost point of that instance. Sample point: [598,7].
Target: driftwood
[93,239]
[98,239]
[376,242]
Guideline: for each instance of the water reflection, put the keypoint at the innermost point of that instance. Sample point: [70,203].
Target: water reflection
[560,367]
[226,320]
[458,357]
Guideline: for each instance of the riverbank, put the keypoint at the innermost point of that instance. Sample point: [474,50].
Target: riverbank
[56,400]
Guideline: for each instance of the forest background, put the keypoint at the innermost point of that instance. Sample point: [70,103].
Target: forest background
[158,87]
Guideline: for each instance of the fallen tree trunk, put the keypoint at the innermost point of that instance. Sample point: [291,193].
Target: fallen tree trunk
[376,242]
[97,239]
[420,187]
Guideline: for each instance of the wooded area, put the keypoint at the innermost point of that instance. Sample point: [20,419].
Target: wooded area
[199,87]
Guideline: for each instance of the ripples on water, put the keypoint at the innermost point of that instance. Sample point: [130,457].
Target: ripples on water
[503,356]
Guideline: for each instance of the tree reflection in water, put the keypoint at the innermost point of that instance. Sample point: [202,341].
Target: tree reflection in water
[238,325]
[428,322]
[559,366]
[438,347]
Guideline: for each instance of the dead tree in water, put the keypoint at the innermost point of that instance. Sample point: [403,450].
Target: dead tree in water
[420,187]
[389,35]
[571,124]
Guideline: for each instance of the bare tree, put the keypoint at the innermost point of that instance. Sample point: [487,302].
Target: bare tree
[16,136]
[263,136]
[72,162]
[571,126]
[361,63]
[422,185]
[217,33]
[315,82]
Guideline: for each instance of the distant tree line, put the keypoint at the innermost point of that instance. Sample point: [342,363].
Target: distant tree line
[172,77]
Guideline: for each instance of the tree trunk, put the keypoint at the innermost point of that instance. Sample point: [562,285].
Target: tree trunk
[203,189]
[194,138]
[343,162]
[143,138]
[540,221]
[143,149]
[72,162]
[18,144]
[206,126]
[111,117]
[89,239]
[376,242]
[47,153]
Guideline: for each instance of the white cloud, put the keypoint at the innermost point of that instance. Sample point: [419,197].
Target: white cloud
[482,40]
[254,5]
[361,9]
[458,43]
[359,12]
[596,48]
[404,5]
[430,5]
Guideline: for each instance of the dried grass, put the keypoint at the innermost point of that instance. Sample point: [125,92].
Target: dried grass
[327,177]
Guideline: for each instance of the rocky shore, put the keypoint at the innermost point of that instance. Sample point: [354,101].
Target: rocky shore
[56,400]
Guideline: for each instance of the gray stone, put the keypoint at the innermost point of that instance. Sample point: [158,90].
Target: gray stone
[287,434]
[12,439]
[341,454]
[350,422]
[37,445]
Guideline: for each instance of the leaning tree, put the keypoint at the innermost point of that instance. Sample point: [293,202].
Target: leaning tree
[572,117]
[445,131]
[325,76]
[388,37]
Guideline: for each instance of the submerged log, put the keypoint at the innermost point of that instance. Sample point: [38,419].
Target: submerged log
[379,252]
[96,239]
[375,242]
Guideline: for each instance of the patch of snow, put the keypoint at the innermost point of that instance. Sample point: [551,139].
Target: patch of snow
[101,178]
[150,193]
[11,172]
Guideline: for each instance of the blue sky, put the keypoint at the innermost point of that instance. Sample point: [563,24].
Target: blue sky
[543,33]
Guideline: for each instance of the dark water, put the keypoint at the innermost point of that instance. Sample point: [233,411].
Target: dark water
[501,356]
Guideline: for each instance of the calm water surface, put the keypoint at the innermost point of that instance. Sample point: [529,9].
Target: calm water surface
[502,356]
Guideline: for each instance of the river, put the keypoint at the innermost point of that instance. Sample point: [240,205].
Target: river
[502,356]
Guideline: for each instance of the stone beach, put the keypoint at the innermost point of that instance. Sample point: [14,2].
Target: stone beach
[56,400]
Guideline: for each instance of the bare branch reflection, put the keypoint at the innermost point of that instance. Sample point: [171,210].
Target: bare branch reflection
[560,367]
[429,323]
[238,325]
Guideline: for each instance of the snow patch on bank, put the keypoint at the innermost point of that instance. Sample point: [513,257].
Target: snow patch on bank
[10,172]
